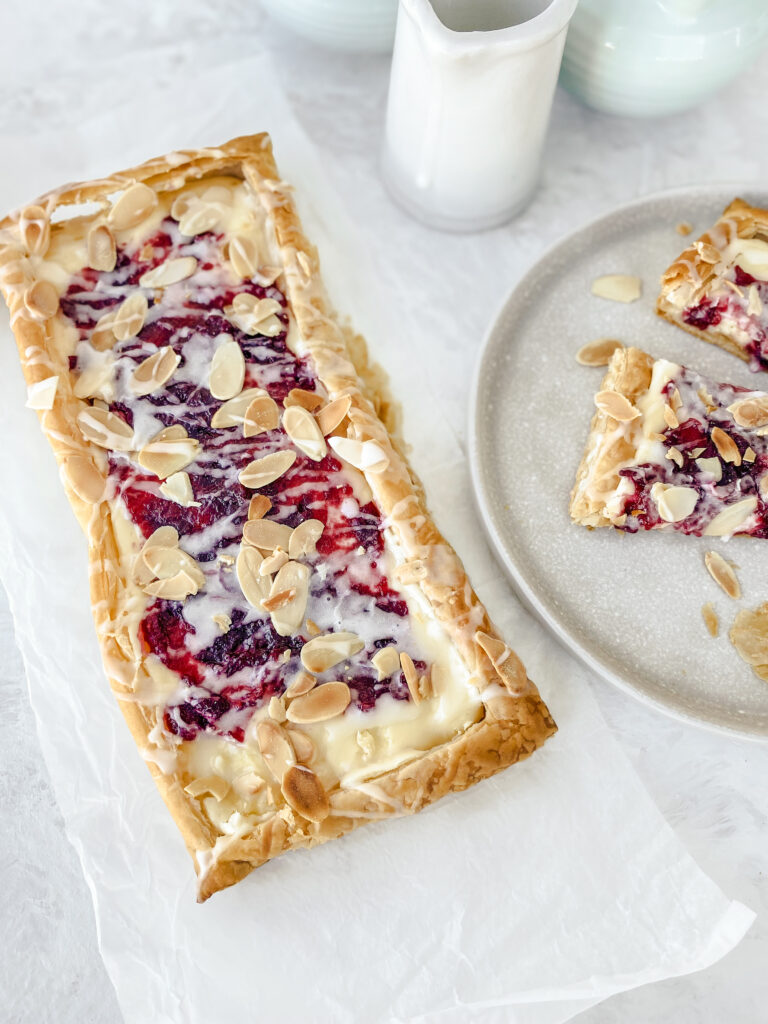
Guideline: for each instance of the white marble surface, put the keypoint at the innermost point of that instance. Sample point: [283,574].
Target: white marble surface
[710,787]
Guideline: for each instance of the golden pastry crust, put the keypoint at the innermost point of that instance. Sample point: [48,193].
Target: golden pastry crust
[514,720]
[610,446]
[692,274]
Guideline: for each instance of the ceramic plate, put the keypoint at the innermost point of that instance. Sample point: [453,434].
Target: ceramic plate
[628,605]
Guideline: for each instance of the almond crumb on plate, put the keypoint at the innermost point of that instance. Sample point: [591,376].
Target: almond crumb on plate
[711,620]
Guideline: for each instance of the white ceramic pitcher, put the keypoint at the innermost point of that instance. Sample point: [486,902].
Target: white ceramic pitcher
[469,103]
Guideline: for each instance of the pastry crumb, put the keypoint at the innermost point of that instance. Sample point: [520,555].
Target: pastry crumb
[684,227]
[711,620]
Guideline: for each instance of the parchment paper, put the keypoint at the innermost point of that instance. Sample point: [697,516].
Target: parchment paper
[525,900]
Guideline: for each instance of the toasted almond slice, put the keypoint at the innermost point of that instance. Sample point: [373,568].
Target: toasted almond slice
[255,588]
[676,456]
[713,466]
[199,217]
[301,426]
[674,503]
[411,677]
[750,412]
[696,452]
[168,452]
[302,745]
[410,572]
[726,447]
[711,620]
[42,394]
[267,535]
[503,659]
[367,456]
[168,273]
[223,621]
[707,399]
[731,518]
[312,628]
[102,335]
[275,748]
[722,573]
[708,253]
[232,413]
[287,619]
[227,371]
[266,275]
[166,562]
[255,316]
[670,418]
[598,353]
[154,371]
[273,563]
[213,784]
[102,251]
[261,415]
[616,405]
[302,683]
[178,487]
[163,537]
[267,469]
[308,400]
[258,506]
[755,303]
[276,709]
[304,538]
[128,319]
[132,207]
[321,703]
[275,602]
[85,479]
[749,455]
[333,415]
[386,662]
[41,300]
[618,287]
[323,652]
[35,230]
[243,255]
[174,588]
[305,793]
[105,429]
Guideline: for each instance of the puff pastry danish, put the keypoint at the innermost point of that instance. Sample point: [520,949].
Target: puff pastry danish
[670,449]
[295,647]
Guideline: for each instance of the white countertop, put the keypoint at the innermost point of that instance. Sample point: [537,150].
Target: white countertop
[711,788]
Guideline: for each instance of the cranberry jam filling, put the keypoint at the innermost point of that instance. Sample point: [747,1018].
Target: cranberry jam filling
[226,675]
[703,406]
[740,309]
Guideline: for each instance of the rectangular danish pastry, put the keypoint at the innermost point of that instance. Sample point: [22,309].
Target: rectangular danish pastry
[717,288]
[295,647]
[670,449]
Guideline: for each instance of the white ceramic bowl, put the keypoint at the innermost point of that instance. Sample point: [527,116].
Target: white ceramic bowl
[355,26]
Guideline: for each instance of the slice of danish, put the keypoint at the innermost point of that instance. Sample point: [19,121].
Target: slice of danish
[718,287]
[670,449]
[295,647]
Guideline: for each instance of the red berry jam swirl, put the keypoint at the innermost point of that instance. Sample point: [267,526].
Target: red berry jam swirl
[226,675]
[703,406]
[734,308]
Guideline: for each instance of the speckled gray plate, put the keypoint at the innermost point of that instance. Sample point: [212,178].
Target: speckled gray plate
[629,606]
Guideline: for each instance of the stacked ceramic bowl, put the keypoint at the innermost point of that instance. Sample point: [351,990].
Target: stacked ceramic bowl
[359,26]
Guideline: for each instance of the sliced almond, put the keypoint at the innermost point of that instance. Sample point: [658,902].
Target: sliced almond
[708,252]
[281,599]
[102,336]
[275,748]
[754,303]
[105,429]
[598,353]
[711,620]
[312,628]
[301,684]
[696,452]
[243,255]
[223,621]
[168,452]
[255,587]
[293,576]
[85,479]
[267,535]
[676,456]
[213,784]
[42,394]
[255,316]
[616,405]
[178,487]
[301,426]
[670,418]
[750,412]
[731,518]
[726,447]
[227,371]
[266,275]
[166,562]
[154,371]
[273,563]
[684,227]
[722,573]
[102,251]
[168,273]
[276,709]
[232,413]
[713,466]
[321,703]
[163,537]
[41,300]
[308,400]
[749,455]
[386,661]
[128,319]
[411,677]
[174,588]
[618,287]
[333,415]
[302,745]
[35,229]
[709,402]
[305,793]
[132,207]
[261,415]
[258,506]
[304,538]
[674,503]
[367,456]
[267,469]
[323,652]
[199,217]
[749,635]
